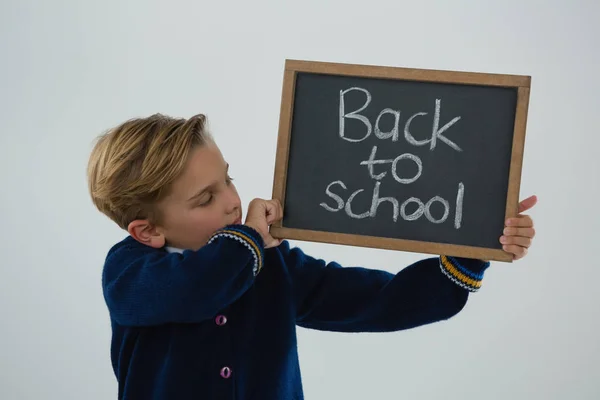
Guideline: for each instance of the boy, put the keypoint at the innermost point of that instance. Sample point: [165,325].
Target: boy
[203,306]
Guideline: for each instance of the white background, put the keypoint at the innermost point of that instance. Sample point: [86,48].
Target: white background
[71,69]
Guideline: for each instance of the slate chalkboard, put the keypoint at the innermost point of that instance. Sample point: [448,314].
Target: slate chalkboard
[407,159]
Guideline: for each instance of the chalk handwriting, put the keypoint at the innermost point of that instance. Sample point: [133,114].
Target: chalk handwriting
[406,156]
[394,132]
[412,208]
[436,131]
[397,208]
[459,205]
[354,114]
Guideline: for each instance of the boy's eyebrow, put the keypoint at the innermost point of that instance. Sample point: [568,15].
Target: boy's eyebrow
[201,192]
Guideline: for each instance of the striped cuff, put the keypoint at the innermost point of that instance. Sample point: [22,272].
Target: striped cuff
[468,273]
[248,237]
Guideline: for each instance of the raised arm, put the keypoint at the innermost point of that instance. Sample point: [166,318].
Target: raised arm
[356,299]
[145,286]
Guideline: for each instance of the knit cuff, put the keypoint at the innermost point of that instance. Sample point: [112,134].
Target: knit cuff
[249,237]
[465,272]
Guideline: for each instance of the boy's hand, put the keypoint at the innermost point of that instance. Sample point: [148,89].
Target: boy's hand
[519,231]
[261,214]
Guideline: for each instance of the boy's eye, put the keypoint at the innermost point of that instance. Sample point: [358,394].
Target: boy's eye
[207,201]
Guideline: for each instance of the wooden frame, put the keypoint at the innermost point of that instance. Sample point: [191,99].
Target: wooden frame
[292,67]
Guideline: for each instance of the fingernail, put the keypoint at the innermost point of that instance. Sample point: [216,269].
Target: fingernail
[509,222]
[503,239]
[506,231]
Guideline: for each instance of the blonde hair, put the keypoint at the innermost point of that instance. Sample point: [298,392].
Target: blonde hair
[132,166]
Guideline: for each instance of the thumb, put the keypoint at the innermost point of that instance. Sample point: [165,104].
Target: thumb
[527,204]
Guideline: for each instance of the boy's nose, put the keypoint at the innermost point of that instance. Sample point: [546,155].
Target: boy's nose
[233,207]
[233,201]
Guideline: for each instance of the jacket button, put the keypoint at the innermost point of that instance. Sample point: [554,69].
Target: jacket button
[221,320]
[226,372]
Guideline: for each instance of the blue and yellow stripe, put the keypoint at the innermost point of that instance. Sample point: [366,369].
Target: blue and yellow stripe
[247,240]
[461,275]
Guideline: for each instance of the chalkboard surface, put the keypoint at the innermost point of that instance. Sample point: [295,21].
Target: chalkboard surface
[396,158]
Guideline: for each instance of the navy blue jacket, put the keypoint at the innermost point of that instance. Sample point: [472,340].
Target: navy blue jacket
[220,322]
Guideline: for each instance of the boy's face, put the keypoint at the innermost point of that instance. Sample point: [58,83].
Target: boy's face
[201,201]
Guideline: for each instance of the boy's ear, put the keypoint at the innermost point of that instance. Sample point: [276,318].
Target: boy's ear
[146,233]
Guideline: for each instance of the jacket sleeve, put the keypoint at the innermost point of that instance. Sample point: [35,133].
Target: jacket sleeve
[144,286]
[357,299]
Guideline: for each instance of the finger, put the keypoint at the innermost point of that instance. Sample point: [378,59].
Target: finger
[523,221]
[275,212]
[256,208]
[516,240]
[271,216]
[517,251]
[527,204]
[269,209]
[525,232]
[275,209]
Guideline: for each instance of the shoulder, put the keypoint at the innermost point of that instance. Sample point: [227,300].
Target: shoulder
[129,247]
[126,252]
